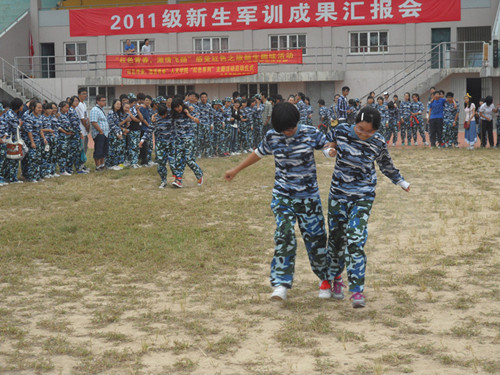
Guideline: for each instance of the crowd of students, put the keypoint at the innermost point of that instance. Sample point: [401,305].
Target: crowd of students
[56,135]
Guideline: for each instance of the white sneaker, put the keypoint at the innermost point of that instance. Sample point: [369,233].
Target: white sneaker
[115,168]
[66,174]
[152,164]
[55,175]
[126,164]
[325,290]
[393,144]
[135,166]
[426,143]
[163,185]
[416,143]
[279,293]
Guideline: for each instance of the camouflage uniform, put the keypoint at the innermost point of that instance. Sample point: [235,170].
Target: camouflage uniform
[206,134]
[30,165]
[383,110]
[132,139]
[219,129]
[417,121]
[302,107]
[352,192]
[324,118]
[49,158]
[296,198]
[196,128]
[449,114]
[257,125]
[226,137]
[164,132]
[10,166]
[406,132]
[392,128]
[63,144]
[74,149]
[184,148]
[3,147]
[116,145]
[498,130]
[245,128]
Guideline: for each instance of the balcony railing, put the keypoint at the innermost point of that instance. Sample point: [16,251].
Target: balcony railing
[317,59]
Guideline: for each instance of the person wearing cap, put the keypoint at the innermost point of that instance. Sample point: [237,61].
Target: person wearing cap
[386,97]
[343,105]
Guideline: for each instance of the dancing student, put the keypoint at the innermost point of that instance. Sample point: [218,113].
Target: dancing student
[295,197]
[352,192]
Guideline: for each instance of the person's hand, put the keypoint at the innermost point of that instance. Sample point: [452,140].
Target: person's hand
[407,189]
[45,142]
[33,145]
[229,175]
[141,143]
[120,137]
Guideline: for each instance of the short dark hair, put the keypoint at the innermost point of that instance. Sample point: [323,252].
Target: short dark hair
[391,105]
[449,94]
[301,95]
[346,88]
[441,92]
[98,98]
[63,104]
[284,116]
[415,95]
[146,40]
[236,94]
[369,114]
[162,110]
[488,100]
[82,89]
[149,97]
[141,96]
[321,101]
[204,93]
[16,103]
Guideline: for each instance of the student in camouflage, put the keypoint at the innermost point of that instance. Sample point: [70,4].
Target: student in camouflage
[162,127]
[258,125]
[405,111]
[206,127]
[49,144]
[184,143]
[11,122]
[302,107]
[295,196]
[417,119]
[324,117]
[450,120]
[245,126]
[352,192]
[382,109]
[226,138]
[392,123]
[30,133]
[219,128]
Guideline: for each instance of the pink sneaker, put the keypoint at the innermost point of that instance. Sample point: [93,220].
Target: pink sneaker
[358,300]
[338,289]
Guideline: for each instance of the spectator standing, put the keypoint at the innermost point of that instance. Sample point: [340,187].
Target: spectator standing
[100,132]
[82,112]
[129,48]
[343,105]
[146,48]
[486,115]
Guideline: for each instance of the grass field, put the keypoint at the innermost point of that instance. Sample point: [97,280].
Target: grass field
[107,274]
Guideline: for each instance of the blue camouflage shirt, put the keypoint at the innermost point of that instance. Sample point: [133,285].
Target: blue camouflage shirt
[354,177]
[393,116]
[302,107]
[206,114]
[47,124]
[163,129]
[382,108]
[114,120]
[449,112]
[324,115]
[11,122]
[295,175]
[183,126]
[405,109]
[31,124]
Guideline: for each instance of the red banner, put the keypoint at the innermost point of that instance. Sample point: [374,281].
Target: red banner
[160,61]
[252,15]
[192,72]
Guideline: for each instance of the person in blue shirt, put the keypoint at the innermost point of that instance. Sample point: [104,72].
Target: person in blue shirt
[436,107]
[295,197]
[352,192]
[129,48]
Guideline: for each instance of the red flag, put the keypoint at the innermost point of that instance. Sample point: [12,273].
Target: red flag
[32,51]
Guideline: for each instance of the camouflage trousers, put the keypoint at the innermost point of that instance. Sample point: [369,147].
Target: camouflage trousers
[225,139]
[116,152]
[218,139]
[184,154]
[74,154]
[245,136]
[30,165]
[49,158]
[309,215]
[498,131]
[417,124]
[164,154]
[391,130]
[406,130]
[63,149]
[257,134]
[449,133]
[206,141]
[348,231]
[133,140]
[3,159]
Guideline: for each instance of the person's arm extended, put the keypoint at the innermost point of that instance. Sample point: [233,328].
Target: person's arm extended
[250,160]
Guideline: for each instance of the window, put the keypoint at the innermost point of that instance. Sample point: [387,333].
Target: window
[368,42]
[283,42]
[137,42]
[93,91]
[250,89]
[75,52]
[211,45]
[173,90]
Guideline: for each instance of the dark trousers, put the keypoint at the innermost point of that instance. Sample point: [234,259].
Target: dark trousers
[143,153]
[436,131]
[487,131]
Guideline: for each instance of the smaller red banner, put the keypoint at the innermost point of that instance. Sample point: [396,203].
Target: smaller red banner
[192,72]
[160,61]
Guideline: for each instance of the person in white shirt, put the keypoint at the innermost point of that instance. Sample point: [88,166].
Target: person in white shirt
[81,110]
[486,115]
[146,48]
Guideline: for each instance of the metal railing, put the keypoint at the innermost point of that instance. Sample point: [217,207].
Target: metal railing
[22,84]
[444,55]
